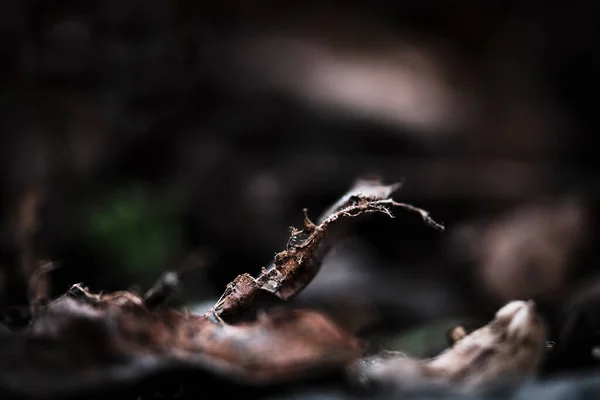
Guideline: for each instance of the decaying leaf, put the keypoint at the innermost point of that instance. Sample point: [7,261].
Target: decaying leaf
[297,265]
[84,340]
[509,348]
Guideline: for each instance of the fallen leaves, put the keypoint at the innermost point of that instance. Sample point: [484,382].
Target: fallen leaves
[83,339]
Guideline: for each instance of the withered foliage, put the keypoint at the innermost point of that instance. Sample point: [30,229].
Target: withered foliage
[83,339]
[298,264]
[509,348]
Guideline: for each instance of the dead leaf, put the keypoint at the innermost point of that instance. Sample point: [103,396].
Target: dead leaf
[296,266]
[83,340]
[509,348]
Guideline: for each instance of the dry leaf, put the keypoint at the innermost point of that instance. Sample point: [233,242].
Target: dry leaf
[509,348]
[298,264]
[84,340]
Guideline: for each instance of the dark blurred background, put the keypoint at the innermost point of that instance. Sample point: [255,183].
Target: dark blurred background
[135,134]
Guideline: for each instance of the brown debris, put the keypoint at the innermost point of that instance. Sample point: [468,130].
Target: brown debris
[90,337]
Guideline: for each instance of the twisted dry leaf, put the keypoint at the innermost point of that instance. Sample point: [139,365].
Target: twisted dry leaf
[294,267]
[509,348]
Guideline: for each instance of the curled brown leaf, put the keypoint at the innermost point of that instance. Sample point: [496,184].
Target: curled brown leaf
[295,267]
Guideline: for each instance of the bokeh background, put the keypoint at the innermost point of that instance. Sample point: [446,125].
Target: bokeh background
[138,136]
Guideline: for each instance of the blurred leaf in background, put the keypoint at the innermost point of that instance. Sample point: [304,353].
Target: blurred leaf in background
[140,229]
